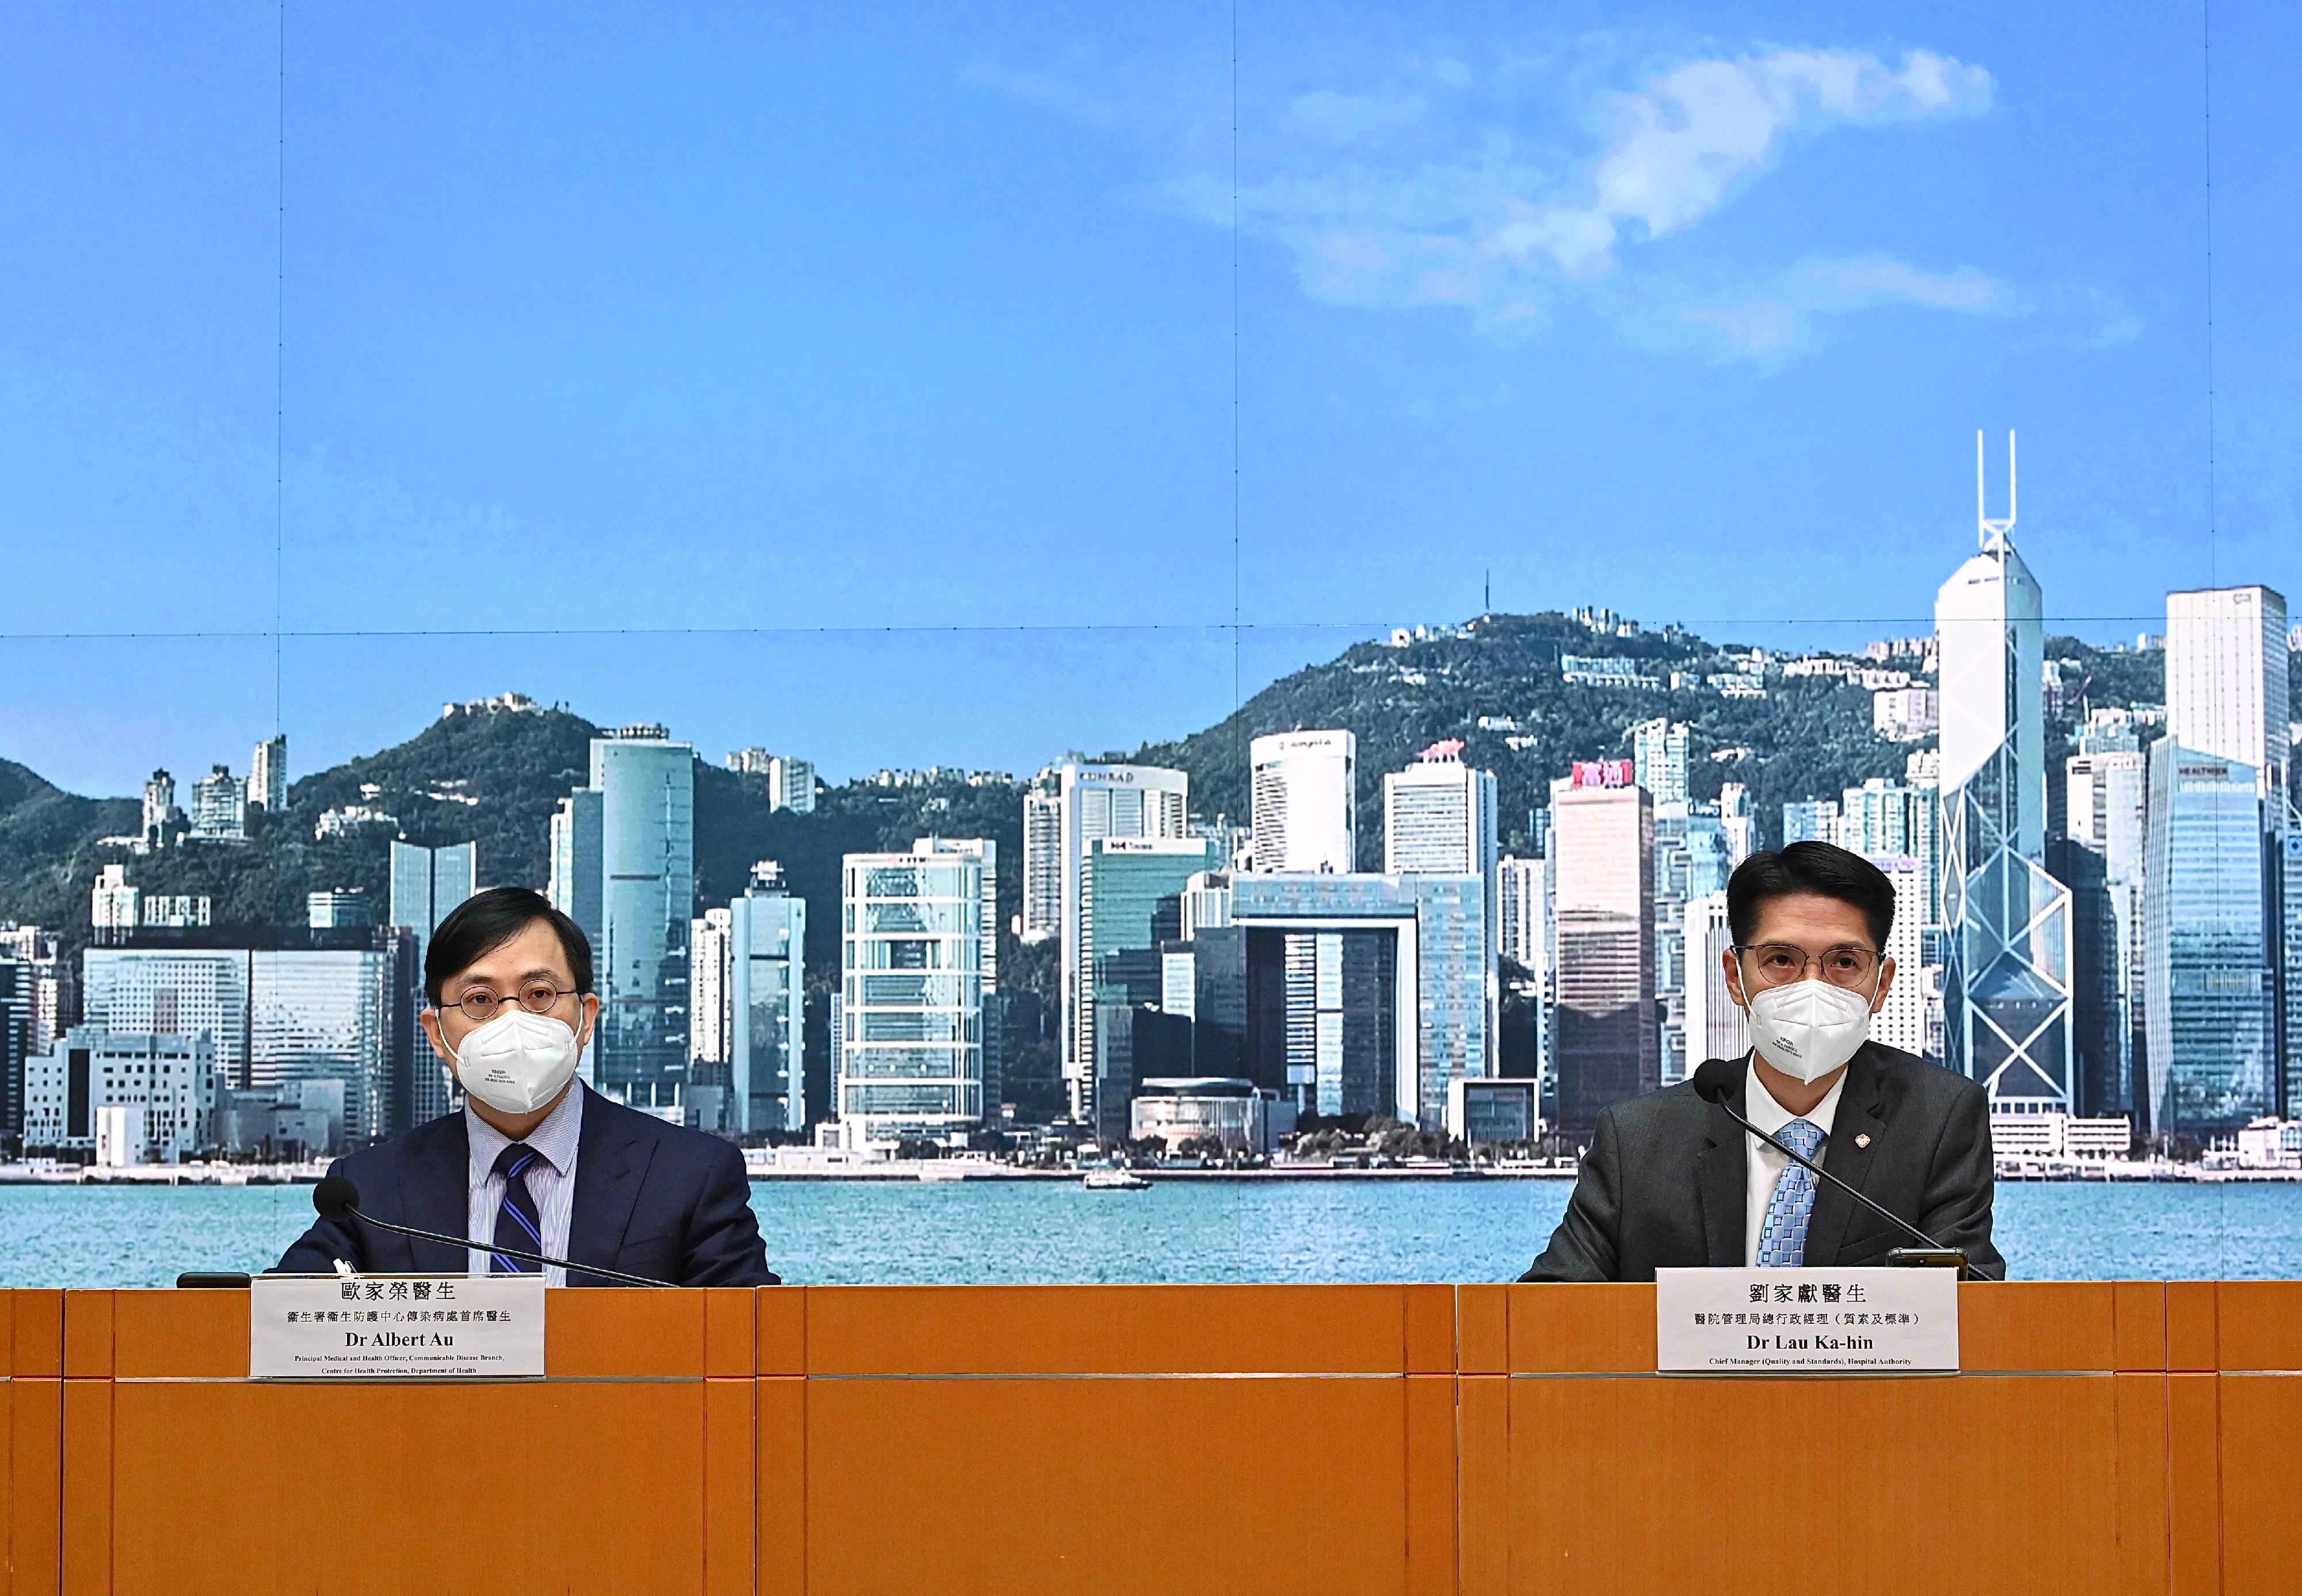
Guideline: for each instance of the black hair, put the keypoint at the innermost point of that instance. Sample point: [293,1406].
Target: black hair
[1822,868]
[486,921]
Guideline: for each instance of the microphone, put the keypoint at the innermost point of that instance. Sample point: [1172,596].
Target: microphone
[338,1200]
[1714,1083]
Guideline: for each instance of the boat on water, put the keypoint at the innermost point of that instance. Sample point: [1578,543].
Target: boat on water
[1115,1179]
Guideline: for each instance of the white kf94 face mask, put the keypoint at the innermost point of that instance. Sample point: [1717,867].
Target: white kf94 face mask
[516,1062]
[1810,1027]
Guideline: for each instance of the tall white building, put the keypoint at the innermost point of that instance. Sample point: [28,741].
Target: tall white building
[1043,863]
[1524,913]
[908,1060]
[1439,817]
[1304,793]
[2226,678]
[987,850]
[1882,819]
[1094,801]
[160,812]
[185,992]
[1903,1023]
[115,906]
[2007,922]
[267,775]
[1659,755]
[220,807]
[1716,1025]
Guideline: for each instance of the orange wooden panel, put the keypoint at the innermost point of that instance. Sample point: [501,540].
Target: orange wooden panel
[730,1494]
[779,1514]
[2258,1324]
[39,1331]
[33,1445]
[1106,1329]
[88,1483]
[730,1330]
[1430,1329]
[2036,1324]
[1431,1485]
[2141,1400]
[623,1330]
[231,1487]
[1018,1486]
[1582,1329]
[1483,1468]
[1483,1329]
[1663,1485]
[2194,1487]
[2192,1335]
[87,1333]
[782,1314]
[2260,1443]
[179,1334]
[2138,1323]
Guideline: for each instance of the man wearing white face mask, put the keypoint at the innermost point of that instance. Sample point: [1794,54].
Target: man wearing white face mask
[536,1160]
[1670,1182]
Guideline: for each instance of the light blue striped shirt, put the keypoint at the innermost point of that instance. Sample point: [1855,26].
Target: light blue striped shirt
[550,1180]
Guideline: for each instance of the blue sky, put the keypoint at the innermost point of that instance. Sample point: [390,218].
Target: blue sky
[862,386]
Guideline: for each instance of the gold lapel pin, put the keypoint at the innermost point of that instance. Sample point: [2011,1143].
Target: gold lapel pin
[1863,1141]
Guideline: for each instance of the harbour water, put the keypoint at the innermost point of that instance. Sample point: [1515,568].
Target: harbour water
[1013,1232]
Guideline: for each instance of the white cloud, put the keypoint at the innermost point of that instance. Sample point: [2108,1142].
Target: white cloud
[1437,185]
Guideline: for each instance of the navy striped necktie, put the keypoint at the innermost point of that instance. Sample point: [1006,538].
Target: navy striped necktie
[517,1223]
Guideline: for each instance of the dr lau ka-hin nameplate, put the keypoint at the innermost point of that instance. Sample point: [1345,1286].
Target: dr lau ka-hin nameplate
[395,1327]
[1795,1320]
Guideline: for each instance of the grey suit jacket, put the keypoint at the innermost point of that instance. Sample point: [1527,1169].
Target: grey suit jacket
[1665,1182]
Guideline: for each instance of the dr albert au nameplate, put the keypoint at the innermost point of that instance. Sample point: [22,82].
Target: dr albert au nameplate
[1805,1321]
[395,1327]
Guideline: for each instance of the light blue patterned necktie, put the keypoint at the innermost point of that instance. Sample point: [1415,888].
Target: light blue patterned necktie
[1782,1243]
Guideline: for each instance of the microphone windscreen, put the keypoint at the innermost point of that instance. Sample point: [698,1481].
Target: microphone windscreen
[335,1198]
[1714,1082]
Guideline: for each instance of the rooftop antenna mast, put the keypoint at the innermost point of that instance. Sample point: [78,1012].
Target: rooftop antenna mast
[1994,534]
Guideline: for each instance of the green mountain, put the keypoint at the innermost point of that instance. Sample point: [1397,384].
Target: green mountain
[492,775]
[1496,684]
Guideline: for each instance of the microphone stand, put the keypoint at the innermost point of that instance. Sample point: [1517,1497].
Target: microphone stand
[464,1242]
[1967,1267]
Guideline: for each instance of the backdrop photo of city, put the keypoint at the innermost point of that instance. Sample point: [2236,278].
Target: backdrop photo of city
[1430,906]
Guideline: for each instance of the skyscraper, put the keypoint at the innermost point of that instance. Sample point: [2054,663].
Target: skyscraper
[325,1016]
[1716,1025]
[1609,1043]
[908,1054]
[766,987]
[2006,975]
[2208,1009]
[1126,881]
[1092,802]
[623,853]
[1439,817]
[1903,1021]
[575,889]
[267,775]
[1043,862]
[2104,812]
[746,990]
[427,883]
[1305,801]
[1659,755]
[2226,678]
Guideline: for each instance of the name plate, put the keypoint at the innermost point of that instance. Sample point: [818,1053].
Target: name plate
[395,1327]
[1805,1321]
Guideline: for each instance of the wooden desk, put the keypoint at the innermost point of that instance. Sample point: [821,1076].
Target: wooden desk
[1022,1440]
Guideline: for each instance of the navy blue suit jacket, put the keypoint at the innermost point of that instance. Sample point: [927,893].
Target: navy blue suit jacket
[651,1199]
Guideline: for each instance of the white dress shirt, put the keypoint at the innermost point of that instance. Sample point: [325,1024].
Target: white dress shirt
[1766,1164]
[550,1180]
